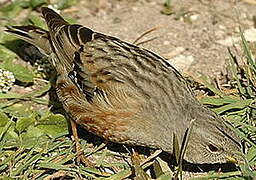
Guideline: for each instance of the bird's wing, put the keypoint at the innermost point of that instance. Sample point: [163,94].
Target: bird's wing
[100,63]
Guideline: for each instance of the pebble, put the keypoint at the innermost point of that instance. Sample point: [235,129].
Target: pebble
[175,52]
[182,62]
[229,41]
[250,34]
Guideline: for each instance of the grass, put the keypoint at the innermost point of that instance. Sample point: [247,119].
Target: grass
[35,142]
[238,107]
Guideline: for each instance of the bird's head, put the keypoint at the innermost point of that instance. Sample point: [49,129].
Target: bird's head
[212,141]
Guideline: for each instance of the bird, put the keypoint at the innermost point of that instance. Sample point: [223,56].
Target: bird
[128,94]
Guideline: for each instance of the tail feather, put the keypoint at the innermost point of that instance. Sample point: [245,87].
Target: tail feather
[54,20]
[34,35]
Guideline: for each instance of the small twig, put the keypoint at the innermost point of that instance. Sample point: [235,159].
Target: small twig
[250,1]
[151,157]
[142,42]
[143,34]
[58,174]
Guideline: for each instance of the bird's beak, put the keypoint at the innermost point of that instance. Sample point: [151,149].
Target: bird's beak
[231,159]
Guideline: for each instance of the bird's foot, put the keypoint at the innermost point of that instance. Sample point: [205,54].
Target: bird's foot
[81,157]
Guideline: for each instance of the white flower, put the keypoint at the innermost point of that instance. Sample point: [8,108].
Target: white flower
[7,80]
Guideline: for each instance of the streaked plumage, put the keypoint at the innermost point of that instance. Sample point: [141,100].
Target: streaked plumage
[127,94]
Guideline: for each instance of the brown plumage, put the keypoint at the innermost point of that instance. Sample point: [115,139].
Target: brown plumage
[127,94]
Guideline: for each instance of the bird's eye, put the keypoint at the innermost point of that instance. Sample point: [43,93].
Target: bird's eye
[213,148]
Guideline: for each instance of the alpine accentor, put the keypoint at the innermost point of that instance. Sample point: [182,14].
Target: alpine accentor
[127,94]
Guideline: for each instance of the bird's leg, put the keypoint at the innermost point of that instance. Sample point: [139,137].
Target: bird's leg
[75,136]
[79,150]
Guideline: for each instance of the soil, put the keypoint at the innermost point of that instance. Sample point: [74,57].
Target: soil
[194,38]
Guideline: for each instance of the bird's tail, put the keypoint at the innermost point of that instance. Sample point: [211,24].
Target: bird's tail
[54,20]
[34,35]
